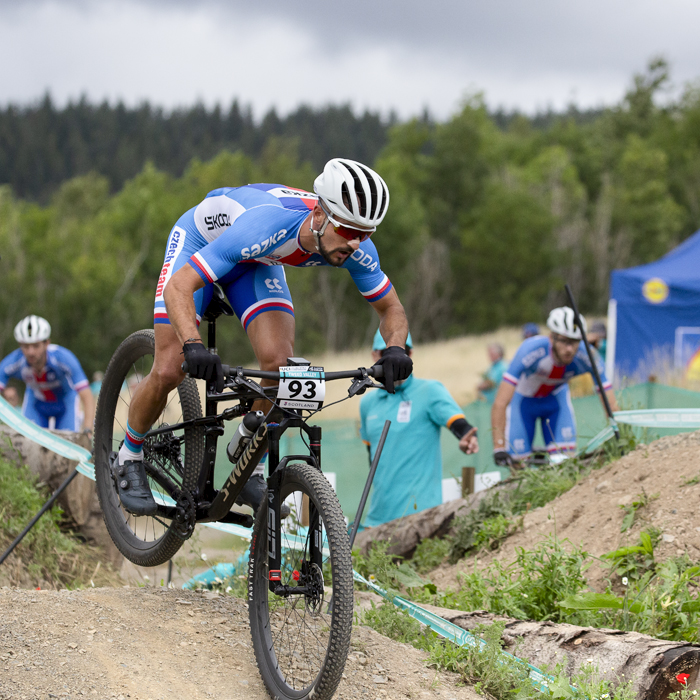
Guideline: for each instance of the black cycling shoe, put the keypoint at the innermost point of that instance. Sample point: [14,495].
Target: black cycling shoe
[253,494]
[134,491]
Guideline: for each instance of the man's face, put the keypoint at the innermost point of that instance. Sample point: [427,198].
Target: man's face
[335,249]
[35,354]
[564,349]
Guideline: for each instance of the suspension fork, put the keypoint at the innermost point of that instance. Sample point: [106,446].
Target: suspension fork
[274,525]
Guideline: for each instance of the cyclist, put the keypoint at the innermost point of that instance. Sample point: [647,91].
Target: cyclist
[56,383]
[536,386]
[241,237]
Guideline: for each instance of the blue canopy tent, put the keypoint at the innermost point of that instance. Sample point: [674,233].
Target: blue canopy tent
[654,316]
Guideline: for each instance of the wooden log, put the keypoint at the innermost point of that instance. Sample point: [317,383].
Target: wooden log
[651,664]
[404,534]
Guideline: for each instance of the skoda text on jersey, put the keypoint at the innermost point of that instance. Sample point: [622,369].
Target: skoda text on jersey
[235,228]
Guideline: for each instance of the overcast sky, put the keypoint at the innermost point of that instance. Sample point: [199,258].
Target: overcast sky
[403,55]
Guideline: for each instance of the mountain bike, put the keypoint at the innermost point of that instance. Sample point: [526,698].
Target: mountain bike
[300,585]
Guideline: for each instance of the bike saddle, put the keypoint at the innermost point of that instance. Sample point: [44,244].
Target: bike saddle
[218,305]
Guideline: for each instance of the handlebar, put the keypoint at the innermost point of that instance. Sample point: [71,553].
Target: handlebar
[376,371]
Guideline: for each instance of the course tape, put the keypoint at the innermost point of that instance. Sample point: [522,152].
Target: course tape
[647,418]
[455,634]
[15,420]
[65,448]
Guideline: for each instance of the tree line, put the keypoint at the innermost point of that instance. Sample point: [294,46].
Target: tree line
[41,146]
[488,218]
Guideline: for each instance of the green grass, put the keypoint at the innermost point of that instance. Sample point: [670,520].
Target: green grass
[47,554]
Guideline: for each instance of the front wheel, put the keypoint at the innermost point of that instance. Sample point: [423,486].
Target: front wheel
[301,640]
[146,540]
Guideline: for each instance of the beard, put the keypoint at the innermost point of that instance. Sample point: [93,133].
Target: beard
[326,253]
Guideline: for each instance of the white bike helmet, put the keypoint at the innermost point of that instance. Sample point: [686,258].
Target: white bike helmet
[32,329]
[561,322]
[353,191]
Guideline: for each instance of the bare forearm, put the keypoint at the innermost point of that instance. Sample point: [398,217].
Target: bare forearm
[88,402]
[393,324]
[179,302]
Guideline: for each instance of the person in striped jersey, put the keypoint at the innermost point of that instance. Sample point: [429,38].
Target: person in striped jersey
[241,238]
[536,387]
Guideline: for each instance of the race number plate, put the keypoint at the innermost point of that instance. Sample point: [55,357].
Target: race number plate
[301,387]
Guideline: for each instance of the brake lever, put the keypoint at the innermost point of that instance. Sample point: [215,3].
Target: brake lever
[359,386]
[239,380]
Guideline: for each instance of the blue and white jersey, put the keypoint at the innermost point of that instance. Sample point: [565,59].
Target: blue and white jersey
[61,378]
[534,372]
[259,223]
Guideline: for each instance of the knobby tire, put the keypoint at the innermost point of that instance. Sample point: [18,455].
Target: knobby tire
[145,541]
[301,651]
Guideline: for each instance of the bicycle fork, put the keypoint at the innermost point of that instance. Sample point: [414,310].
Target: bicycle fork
[310,578]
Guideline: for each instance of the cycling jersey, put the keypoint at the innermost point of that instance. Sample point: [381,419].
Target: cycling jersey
[535,374]
[54,393]
[542,392]
[235,228]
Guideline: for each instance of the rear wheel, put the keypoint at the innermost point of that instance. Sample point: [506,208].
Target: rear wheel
[301,641]
[147,540]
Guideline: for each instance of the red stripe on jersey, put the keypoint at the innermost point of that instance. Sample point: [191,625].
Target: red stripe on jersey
[295,258]
[379,293]
[207,276]
[48,394]
[557,372]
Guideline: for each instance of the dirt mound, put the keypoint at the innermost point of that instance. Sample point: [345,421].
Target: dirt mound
[140,643]
[591,513]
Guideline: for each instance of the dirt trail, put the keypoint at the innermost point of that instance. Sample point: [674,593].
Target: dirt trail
[141,643]
[591,513]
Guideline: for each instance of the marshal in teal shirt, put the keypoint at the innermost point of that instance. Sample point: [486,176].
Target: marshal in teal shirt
[409,475]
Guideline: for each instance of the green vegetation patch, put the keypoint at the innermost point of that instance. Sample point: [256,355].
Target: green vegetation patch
[48,555]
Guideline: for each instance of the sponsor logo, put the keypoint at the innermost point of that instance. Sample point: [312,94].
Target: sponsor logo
[312,263]
[259,248]
[217,221]
[655,290]
[244,460]
[533,356]
[162,278]
[365,259]
[294,193]
[271,540]
[273,285]
[172,246]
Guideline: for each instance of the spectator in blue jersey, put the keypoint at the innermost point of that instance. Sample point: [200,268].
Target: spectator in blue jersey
[535,387]
[56,383]
[409,474]
[240,238]
[488,385]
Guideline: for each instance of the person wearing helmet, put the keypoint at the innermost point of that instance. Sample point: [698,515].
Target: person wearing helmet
[241,238]
[56,383]
[535,386]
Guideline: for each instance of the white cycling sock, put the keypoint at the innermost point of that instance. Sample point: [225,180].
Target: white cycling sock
[126,454]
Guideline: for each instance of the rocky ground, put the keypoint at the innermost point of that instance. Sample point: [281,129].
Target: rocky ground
[159,644]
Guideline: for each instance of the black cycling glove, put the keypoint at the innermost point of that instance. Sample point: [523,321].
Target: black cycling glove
[397,366]
[201,364]
[502,459]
